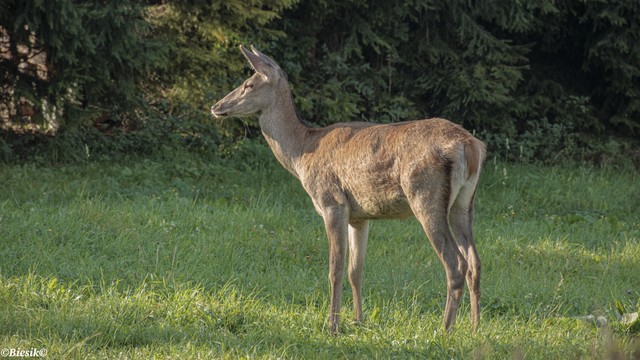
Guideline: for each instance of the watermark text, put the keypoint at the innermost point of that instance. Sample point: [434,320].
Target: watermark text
[23,353]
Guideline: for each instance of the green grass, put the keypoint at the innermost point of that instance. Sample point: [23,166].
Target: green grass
[191,259]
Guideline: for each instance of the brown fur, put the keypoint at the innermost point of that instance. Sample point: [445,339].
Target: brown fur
[355,172]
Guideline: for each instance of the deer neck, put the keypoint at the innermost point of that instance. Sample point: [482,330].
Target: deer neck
[283,130]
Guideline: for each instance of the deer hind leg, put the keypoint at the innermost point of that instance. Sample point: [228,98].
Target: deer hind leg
[358,234]
[335,221]
[431,211]
[461,221]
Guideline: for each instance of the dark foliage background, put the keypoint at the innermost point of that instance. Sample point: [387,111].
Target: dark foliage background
[537,80]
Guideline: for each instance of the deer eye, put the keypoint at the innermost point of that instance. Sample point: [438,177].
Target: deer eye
[248,86]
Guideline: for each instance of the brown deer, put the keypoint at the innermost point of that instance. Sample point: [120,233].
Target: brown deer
[357,171]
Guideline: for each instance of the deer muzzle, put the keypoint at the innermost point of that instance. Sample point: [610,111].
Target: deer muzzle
[216,111]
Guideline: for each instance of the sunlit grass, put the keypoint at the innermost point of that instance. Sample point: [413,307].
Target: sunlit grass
[147,259]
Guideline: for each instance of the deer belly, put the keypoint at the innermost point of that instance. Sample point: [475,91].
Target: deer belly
[383,204]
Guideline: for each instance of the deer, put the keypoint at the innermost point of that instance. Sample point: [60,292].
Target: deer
[357,171]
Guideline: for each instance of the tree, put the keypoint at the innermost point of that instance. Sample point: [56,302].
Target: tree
[537,72]
[70,62]
[540,73]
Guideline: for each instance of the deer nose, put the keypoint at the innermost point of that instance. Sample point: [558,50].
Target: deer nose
[214,107]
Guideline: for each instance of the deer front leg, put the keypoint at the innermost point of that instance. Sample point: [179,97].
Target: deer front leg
[335,221]
[358,234]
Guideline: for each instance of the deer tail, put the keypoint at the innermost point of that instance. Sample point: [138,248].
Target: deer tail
[474,153]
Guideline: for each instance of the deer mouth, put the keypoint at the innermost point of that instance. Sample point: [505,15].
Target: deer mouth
[216,111]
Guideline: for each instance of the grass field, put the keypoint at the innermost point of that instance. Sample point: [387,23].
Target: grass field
[191,259]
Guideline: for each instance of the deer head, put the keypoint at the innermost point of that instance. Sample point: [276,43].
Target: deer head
[257,92]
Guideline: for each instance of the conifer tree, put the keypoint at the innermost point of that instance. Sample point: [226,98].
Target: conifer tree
[519,70]
[71,61]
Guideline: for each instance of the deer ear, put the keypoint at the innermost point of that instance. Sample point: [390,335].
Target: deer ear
[265,58]
[261,63]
